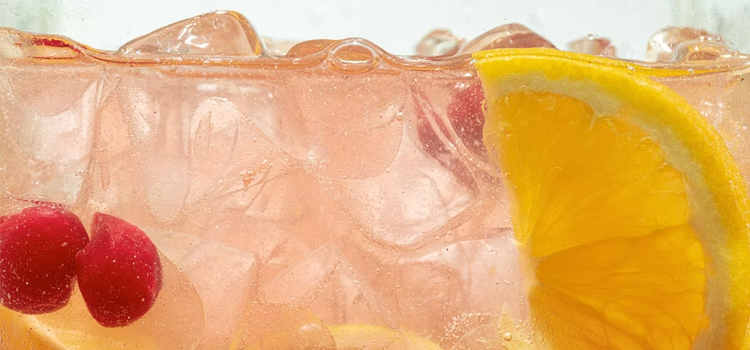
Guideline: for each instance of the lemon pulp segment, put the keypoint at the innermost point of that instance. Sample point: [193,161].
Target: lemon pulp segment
[629,211]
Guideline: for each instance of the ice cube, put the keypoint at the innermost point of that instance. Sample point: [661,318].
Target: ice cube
[474,271]
[408,204]
[217,33]
[684,44]
[267,326]
[439,42]
[326,284]
[447,280]
[422,192]
[714,54]
[593,45]
[225,277]
[189,145]
[278,47]
[300,283]
[15,45]
[506,36]
[722,100]
[354,131]
[9,48]
[47,114]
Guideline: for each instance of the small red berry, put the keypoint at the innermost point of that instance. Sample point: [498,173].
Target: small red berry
[464,113]
[119,272]
[464,116]
[37,258]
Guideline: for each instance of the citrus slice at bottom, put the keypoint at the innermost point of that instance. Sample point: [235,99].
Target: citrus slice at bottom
[629,211]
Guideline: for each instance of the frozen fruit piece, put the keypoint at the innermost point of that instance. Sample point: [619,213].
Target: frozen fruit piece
[119,272]
[37,258]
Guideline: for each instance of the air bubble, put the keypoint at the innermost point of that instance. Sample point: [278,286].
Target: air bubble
[354,55]
[646,144]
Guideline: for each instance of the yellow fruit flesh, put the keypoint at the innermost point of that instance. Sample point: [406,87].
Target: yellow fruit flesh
[597,201]
[16,334]
[627,207]
[571,172]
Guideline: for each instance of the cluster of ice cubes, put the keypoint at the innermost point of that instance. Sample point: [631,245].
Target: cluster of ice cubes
[294,173]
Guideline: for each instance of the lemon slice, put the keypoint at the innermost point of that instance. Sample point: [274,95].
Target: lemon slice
[365,336]
[630,213]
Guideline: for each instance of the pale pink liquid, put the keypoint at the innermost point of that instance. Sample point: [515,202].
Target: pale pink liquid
[336,179]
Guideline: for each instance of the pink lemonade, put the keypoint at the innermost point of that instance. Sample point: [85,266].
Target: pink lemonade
[291,189]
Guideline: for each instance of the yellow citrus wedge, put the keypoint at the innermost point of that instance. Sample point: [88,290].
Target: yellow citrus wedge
[630,213]
[364,337]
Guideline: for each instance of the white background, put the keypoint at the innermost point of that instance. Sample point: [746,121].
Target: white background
[395,25]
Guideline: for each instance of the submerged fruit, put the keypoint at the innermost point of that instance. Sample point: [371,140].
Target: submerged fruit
[464,113]
[119,272]
[37,258]
[628,209]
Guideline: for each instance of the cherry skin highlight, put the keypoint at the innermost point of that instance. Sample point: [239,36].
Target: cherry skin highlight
[119,272]
[37,257]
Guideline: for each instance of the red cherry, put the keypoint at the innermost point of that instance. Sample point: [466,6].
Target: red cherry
[464,112]
[37,258]
[467,117]
[119,272]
